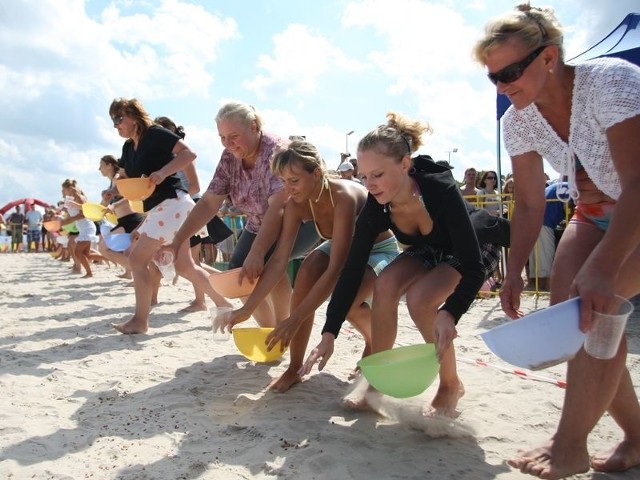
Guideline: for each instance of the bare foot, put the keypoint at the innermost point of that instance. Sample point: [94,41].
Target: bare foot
[126,275]
[621,457]
[132,326]
[362,399]
[88,275]
[287,380]
[445,401]
[552,463]
[355,373]
[195,307]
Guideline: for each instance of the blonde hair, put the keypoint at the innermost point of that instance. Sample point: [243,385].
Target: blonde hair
[398,137]
[240,111]
[531,27]
[301,153]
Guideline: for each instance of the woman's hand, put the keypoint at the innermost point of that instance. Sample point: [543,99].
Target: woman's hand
[237,316]
[284,332]
[322,353]
[173,247]
[510,296]
[157,177]
[594,284]
[444,331]
[107,195]
[252,267]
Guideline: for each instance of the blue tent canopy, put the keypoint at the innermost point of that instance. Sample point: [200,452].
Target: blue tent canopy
[622,42]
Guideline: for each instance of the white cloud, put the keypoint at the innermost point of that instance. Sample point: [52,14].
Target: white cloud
[61,68]
[298,61]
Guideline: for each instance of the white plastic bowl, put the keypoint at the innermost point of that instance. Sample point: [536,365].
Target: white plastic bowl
[541,339]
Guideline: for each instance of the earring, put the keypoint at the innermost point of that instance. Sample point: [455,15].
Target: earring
[551,71]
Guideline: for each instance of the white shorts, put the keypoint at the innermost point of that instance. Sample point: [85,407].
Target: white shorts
[163,221]
[541,257]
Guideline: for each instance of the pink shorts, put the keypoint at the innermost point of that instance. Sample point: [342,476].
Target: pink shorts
[163,221]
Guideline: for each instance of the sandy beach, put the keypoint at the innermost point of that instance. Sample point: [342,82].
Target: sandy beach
[80,400]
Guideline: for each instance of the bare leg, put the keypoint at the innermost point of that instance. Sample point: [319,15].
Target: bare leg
[199,303]
[199,277]
[625,454]
[311,269]
[139,260]
[389,287]
[280,298]
[593,386]
[360,314]
[82,250]
[424,297]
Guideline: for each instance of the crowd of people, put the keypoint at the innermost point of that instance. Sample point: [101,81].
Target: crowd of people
[390,224]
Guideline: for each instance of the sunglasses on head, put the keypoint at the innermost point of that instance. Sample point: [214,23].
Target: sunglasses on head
[117,120]
[513,72]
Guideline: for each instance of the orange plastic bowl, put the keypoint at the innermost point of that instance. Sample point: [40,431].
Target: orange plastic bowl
[52,225]
[135,188]
[226,284]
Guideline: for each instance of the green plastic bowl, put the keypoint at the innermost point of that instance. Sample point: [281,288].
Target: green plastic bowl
[70,227]
[402,372]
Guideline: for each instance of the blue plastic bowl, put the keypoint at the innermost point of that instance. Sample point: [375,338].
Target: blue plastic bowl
[118,242]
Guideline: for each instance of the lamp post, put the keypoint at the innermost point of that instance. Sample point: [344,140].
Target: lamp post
[346,142]
[450,152]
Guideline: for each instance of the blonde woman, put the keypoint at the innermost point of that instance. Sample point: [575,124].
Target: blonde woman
[584,120]
[332,205]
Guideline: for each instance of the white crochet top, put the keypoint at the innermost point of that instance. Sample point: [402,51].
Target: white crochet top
[606,91]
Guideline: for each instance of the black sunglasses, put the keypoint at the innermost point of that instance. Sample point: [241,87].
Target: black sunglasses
[117,120]
[513,72]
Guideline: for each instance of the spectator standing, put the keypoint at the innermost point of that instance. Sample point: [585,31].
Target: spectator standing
[16,223]
[469,189]
[541,257]
[488,194]
[345,170]
[33,218]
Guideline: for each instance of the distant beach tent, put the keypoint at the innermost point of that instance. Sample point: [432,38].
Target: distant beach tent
[622,42]
[24,202]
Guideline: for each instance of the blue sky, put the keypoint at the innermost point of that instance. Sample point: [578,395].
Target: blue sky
[319,69]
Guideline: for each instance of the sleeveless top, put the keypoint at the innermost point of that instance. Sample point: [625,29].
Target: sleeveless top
[324,182]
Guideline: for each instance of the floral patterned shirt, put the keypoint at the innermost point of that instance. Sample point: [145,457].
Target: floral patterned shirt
[249,189]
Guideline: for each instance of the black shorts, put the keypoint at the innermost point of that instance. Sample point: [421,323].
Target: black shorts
[129,222]
[430,257]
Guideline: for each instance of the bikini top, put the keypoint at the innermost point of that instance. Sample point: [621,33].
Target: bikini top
[325,183]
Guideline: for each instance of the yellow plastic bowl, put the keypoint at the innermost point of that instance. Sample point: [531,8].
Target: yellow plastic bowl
[402,372]
[226,284]
[251,344]
[111,217]
[93,211]
[52,225]
[135,188]
[137,206]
